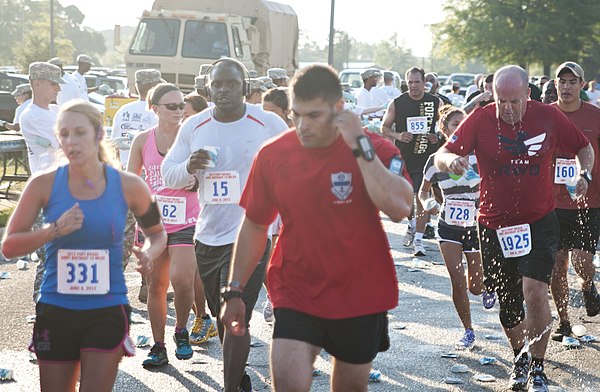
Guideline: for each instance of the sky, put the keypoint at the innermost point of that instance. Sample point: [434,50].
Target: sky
[379,22]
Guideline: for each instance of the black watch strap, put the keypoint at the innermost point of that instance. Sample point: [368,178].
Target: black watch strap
[586,176]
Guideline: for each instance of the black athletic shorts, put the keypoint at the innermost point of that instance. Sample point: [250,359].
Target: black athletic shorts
[355,340]
[213,266]
[417,178]
[538,264]
[579,229]
[183,237]
[60,334]
[466,237]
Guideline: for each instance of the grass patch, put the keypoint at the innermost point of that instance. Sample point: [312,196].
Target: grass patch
[4,214]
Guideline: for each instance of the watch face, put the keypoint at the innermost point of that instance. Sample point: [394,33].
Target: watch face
[364,143]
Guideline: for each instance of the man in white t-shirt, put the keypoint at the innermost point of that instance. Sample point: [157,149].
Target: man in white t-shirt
[218,145]
[84,64]
[136,116]
[37,121]
[388,86]
[369,95]
[70,90]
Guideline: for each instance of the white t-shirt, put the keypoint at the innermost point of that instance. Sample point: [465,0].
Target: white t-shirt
[82,84]
[132,117]
[69,90]
[593,96]
[221,186]
[37,127]
[390,91]
[19,111]
[371,98]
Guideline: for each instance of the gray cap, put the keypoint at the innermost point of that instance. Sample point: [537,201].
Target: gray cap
[277,73]
[40,70]
[204,69]
[56,61]
[200,81]
[21,89]
[257,84]
[370,72]
[84,58]
[147,76]
[267,82]
[572,67]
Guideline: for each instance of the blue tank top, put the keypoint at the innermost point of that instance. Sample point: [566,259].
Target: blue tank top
[103,231]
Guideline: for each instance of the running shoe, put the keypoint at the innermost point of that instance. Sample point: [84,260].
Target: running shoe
[538,382]
[409,237]
[156,357]
[419,249]
[562,331]
[429,233]
[268,310]
[183,349]
[467,341]
[518,376]
[591,298]
[246,384]
[488,298]
[202,330]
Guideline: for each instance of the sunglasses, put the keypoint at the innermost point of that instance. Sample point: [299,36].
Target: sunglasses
[173,106]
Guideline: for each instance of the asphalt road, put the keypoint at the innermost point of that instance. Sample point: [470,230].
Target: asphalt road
[423,327]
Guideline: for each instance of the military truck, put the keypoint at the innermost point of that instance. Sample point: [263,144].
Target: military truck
[177,36]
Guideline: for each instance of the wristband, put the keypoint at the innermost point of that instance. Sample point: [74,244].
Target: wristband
[236,285]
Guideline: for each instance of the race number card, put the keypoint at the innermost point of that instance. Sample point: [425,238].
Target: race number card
[222,187]
[564,170]
[460,212]
[172,209]
[515,241]
[83,272]
[416,125]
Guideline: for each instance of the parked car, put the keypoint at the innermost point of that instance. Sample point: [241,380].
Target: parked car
[9,81]
[464,79]
[8,105]
[106,85]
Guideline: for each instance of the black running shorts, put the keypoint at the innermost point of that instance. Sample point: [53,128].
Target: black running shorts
[579,229]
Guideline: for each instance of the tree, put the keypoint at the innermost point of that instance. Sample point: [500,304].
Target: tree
[520,32]
[394,57]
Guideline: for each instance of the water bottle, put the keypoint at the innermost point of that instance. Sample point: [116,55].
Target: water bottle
[571,186]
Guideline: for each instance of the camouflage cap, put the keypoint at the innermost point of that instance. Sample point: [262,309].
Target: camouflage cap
[21,89]
[40,70]
[200,81]
[277,73]
[252,73]
[147,76]
[572,67]
[84,58]
[267,82]
[370,72]
[56,61]
[204,69]
[257,84]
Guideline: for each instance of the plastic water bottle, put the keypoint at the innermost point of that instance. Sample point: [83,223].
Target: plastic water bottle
[571,185]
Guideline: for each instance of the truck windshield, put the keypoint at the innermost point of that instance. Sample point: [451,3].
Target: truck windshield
[156,37]
[206,40]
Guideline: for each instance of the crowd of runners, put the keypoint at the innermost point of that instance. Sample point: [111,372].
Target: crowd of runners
[248,184]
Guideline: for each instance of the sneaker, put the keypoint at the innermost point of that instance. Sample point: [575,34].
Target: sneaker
[202,330]
[409,237]
[419,249]
[467,341]
[268,310]
[429,233]
[538,382]
[562,331]
[246,384]
[156,357]
[488,298]
[518,376]
[591,300]
[183,349]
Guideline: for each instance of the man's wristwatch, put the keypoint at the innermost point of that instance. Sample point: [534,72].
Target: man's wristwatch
[586,176]
[365,148]
[227,293]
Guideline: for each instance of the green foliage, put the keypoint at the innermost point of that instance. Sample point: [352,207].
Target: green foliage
[524,32]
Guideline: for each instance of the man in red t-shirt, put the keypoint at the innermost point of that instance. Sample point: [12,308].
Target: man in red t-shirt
[331,278]
[515,140]
[579,218]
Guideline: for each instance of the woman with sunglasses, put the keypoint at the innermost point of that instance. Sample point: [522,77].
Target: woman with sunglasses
[81,329]
[179,210]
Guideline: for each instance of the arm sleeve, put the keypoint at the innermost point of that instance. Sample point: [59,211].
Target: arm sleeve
[174,166]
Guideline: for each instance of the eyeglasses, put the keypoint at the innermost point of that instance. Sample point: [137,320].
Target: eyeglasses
[173,106]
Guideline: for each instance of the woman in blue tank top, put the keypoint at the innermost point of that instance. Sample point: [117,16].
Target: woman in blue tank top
[82,316]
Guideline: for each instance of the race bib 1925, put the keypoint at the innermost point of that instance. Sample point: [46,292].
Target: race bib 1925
[515,241]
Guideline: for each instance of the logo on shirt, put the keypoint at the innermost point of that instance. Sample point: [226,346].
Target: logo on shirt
[521,145]
[341,185]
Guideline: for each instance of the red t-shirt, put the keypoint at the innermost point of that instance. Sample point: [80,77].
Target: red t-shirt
[516,162]
[332,258]
[587,120]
